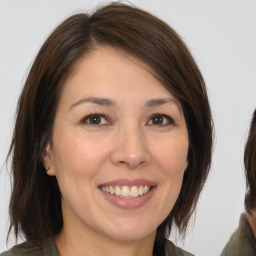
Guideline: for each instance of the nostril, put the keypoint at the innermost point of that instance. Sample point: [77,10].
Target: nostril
[122,163]
[129,157]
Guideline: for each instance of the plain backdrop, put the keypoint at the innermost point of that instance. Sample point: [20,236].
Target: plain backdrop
[221,35]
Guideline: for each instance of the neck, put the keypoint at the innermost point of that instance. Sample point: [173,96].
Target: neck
[74,243]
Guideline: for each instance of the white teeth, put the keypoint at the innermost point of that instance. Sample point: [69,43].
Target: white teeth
[134,191]
[141,191]
[146,189]
[111,190]
[118,191]
[125,191]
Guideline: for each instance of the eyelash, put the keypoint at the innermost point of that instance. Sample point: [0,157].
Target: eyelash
[163,117]
[170,120]
[87,118]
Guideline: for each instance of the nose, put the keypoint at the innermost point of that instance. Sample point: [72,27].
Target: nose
[130,149]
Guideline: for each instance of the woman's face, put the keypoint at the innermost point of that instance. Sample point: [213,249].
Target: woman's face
[119,147]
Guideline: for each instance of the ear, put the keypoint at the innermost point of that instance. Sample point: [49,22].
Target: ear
[47,159]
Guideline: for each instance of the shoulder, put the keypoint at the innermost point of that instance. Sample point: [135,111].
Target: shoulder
[242,241]
[20,250]
[23,249]
[172,250]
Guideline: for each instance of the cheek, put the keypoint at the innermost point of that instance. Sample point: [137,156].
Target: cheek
[172,156]
[172,161]
[76,160]
[78,154]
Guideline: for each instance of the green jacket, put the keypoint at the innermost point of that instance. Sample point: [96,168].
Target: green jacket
[51,250]
[242,242]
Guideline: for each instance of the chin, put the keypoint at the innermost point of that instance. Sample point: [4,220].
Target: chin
[132,233]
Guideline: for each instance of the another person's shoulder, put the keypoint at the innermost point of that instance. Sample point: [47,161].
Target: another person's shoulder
[26,250]
[242,241]
[172,250]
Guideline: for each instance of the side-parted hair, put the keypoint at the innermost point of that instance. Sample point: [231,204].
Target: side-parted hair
[250,167]
[35,206]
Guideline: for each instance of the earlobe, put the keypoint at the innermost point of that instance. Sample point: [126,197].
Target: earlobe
[47,168]
[48,160]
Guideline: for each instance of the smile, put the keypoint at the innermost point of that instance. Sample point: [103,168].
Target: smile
[126,191]
[128,194]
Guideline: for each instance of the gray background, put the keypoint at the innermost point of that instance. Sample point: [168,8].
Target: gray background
[221,35]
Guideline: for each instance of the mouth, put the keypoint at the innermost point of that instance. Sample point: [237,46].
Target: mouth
[128,194]
[127,191]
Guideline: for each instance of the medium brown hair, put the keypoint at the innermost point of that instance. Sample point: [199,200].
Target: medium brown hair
[250,167]
[35,207]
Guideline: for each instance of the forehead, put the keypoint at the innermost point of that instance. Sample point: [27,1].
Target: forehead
[108,71]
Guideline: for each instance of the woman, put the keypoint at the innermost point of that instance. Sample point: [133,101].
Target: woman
[243,241]
[113,138]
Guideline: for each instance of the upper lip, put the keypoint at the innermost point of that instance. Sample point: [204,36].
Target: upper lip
[129,182]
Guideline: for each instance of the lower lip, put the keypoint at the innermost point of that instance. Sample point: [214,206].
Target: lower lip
[129,203]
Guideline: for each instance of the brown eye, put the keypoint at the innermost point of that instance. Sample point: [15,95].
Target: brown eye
[95,119]
[160,119]
[157,120]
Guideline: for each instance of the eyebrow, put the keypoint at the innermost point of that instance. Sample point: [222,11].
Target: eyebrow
[157,102]
[94,100]
[109,102]
[161,101]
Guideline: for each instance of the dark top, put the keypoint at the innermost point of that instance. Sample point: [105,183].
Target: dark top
[51,250]
[242,242]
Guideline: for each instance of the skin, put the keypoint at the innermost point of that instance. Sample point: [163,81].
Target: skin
[128,142]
